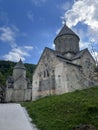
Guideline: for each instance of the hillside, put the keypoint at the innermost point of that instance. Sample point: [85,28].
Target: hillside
[6,69]
[64,112]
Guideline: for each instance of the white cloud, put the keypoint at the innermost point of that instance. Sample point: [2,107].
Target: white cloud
[53,46]
[28,47]
[8,35]
[84,45]
[16,53]
[83,11]
[38,2]
[92,34]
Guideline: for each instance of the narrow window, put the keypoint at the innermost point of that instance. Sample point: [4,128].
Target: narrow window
[47,73]
[44,74]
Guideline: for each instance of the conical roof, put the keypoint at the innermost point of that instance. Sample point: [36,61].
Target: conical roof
[19,65]
[66,31]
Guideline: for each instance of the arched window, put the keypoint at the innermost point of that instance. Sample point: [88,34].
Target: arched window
[44,74]
[47,73]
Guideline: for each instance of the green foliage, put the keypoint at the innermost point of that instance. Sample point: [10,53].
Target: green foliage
[66,111]
[2,79]
[30,70]
[6,69]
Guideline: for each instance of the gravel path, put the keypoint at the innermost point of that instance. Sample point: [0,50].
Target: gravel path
[14,117]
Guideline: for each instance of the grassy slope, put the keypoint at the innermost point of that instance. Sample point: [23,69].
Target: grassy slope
[65,111]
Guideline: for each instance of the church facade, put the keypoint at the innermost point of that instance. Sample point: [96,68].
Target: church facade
[18,87]
[64,69]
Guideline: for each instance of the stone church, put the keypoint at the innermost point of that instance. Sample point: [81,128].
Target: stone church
[64,69]
[18,87]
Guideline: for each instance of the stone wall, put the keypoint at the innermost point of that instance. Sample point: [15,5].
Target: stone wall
[18,95]
[68,78]
[88,65]
[43,78]
[8,94]
[67,43]
[57,75]
[20,83]
[18,91]
[18,73]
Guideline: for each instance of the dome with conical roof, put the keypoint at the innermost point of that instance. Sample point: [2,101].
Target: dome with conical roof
[19,65]
[66,31]
[19,70]
[67,41]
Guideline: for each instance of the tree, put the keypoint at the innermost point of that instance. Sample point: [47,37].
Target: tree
[2,80]
[94,52]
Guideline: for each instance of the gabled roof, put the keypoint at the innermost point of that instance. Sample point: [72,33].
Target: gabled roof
[66,31]
[19,65]
[64,59]
[79,54]
[46,48]
[51,50]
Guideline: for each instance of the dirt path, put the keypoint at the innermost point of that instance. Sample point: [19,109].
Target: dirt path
[13,117]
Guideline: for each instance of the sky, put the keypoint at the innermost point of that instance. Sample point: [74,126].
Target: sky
[28,26]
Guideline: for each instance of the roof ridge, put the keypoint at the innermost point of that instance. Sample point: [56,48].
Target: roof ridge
[79,54]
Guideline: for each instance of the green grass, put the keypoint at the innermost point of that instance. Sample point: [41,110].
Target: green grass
[66,111]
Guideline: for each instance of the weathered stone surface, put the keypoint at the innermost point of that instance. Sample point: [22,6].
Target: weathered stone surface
[17,89]
[67,41]
[65,69]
